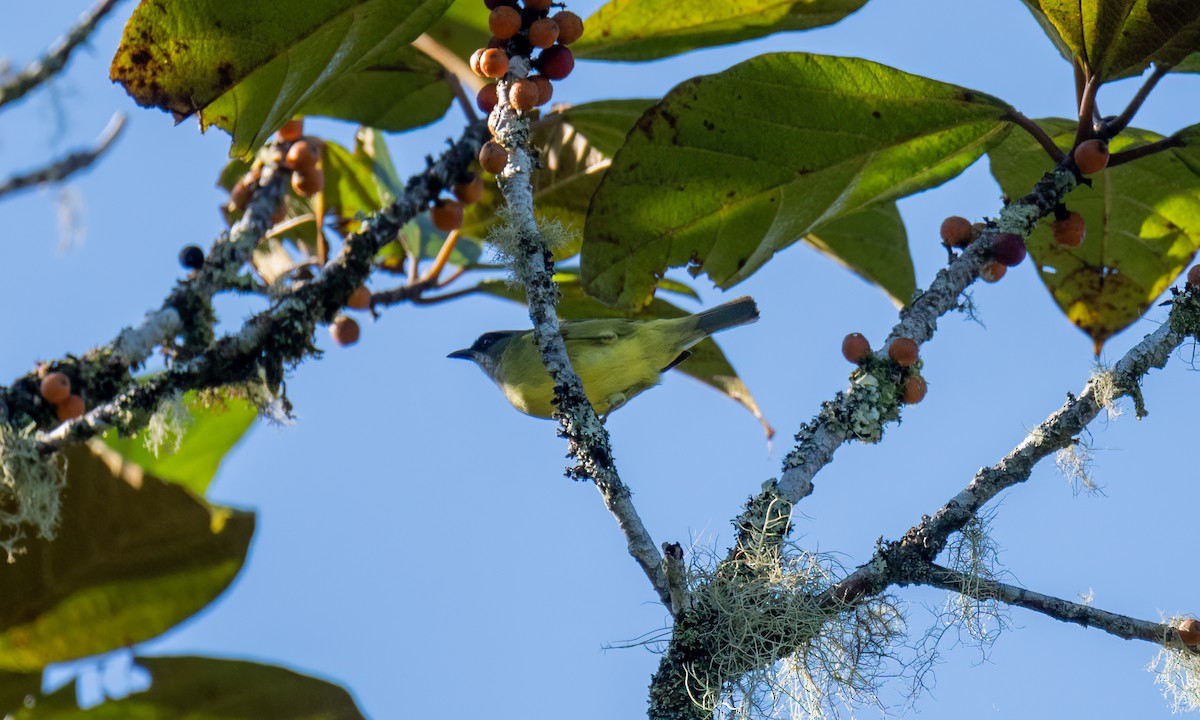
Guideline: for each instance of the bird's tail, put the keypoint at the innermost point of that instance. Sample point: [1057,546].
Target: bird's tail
[731,314]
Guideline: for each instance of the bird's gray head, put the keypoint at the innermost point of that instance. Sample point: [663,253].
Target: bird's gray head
[486,350]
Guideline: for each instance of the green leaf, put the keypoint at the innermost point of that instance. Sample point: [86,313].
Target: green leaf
[575,147]
[463,28]
[707,363]
[210,431]
[202,688]
[1142,218]
[16,689]
[729,169]
[351,186]
[872,243]
[1190,64]
[1120,38]
[425,241]
[370,147]
[134,556]
[250,66]
[650,29]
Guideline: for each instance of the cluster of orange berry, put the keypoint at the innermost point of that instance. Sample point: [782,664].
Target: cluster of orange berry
[518,31]
[344,329]
[903,351]
[447,215]
[56,390]
[1008,249]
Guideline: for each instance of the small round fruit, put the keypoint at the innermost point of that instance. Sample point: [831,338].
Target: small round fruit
[993,271]
[1070,231]
[487,99]
[344,330]
[493,63]
[55,388]
[855,348]
[475,56]
[303,156]
[538,5]
[292,130]
[1189,631]
[469,190]
[543,33]
[241,193]
[360,299]
[280,214]
[493,157]
[1194,276]
[523,95]
[557,62]
[914,390]
[504,22]
[71,408]
[1091,156]
[308,184]
[1009,249]
[545,88]
[191,257]
[446,215]
[570,27]
[903,351]
[956,231]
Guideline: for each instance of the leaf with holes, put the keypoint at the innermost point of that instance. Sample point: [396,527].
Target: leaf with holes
[729,169]
[1142,219]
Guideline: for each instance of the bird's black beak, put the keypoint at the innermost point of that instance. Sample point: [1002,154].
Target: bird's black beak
[461,355]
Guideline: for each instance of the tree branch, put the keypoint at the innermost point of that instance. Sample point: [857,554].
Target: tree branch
[534,267]
[1146,150]
[56,57]
[1112,129]
[1054,151]
[60,170]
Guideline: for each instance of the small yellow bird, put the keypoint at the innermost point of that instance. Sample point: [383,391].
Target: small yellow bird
[615,358]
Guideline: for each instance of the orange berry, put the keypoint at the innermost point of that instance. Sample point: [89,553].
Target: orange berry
[446,215]
[903,351]
[487,99]
[1189,631]
[280,214]
[914,390]
[493,157]
[493,63]
[543,33]
[504,22]
[360,299]
[71,408]
[308,184]
[570,27]
[523,95]
[538,5]
[292,130]
[956,231]
[56,387]
[1070,231]
[993,271]
[1091,156]
[855,348]
[303,156]
[556,62]
[475,56]
[545,88]
[241,193]
[344,330]
[1194,276]
[469,190]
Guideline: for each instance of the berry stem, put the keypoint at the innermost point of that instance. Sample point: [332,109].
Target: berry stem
[1087,111]
[1112,129]
[435,271]
[1054,151]
[1142,151]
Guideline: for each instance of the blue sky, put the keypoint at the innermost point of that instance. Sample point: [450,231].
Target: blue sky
[417,541]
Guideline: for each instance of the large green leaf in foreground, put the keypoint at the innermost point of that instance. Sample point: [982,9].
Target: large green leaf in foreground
[1143,226]
[649,29]
[707,362]
[249,66]
[199,688]
[134,556]
[1119,38]
[728,169]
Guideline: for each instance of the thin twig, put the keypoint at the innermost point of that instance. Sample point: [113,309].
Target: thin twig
[458,74]
[56,57]
[1142,151]
[1087,111]
[435,271]
[1054,151]
[1122,121]
[62,169]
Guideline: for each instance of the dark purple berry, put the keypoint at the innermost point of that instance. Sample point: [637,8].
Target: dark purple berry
[1008,249]
[191,257]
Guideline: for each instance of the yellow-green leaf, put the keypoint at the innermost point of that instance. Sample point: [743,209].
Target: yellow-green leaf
[649,29]
[249,66]
[1142,219]
[133,557]
[872,243]
[728,169]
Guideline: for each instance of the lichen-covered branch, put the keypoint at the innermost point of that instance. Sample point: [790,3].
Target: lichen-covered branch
[56,57]
[64,168]
[533,266]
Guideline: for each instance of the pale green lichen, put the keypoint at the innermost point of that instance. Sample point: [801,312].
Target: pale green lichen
[506,240]
[30,489]
[1075,463]
[166,427]
[974,554]
[1177,671]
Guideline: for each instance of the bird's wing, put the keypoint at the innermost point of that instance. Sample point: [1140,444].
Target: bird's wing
[596,330]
